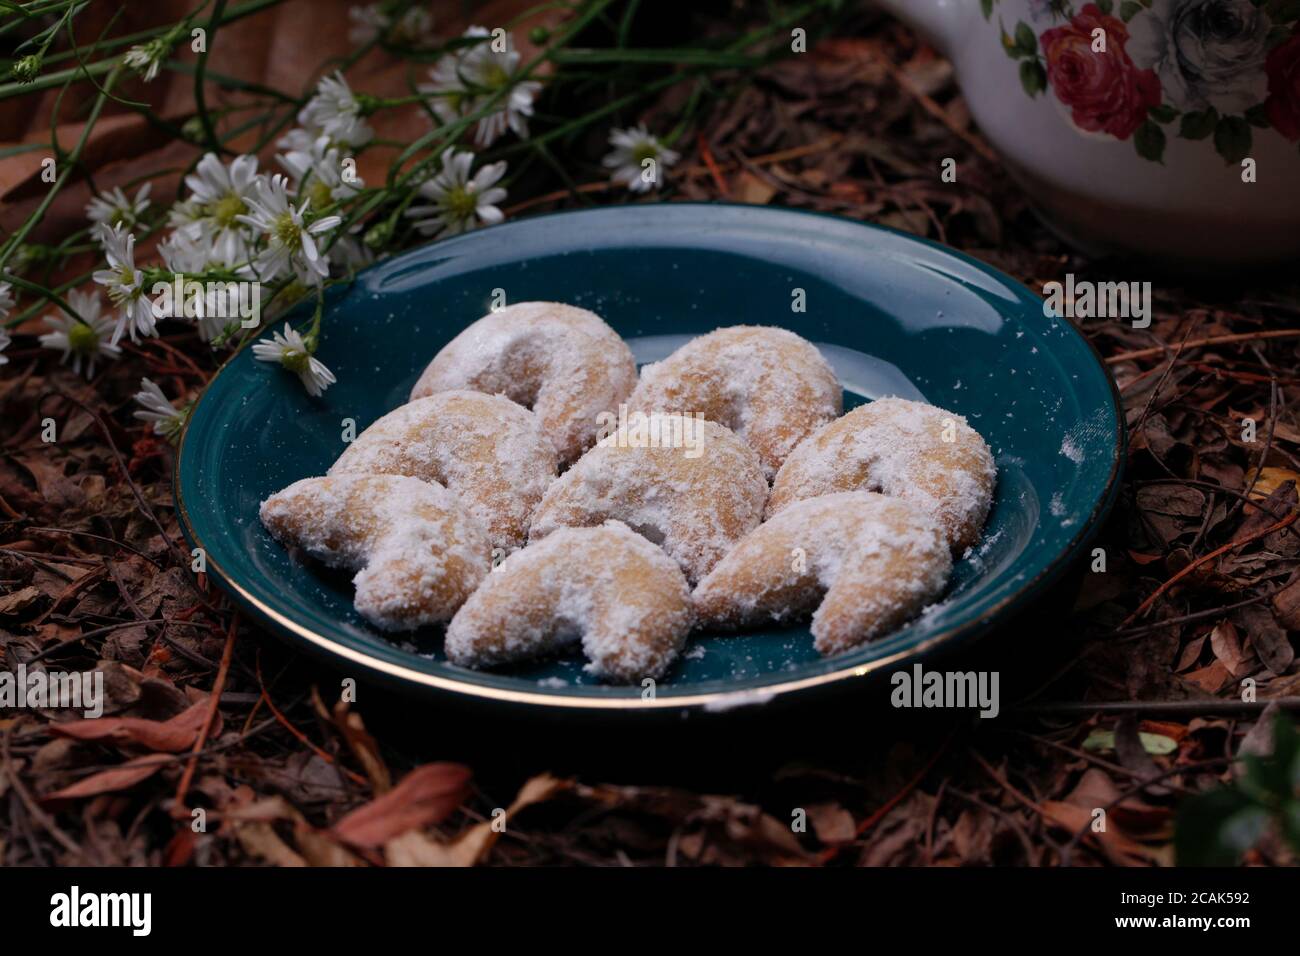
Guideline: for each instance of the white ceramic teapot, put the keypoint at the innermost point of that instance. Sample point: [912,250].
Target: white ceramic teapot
[1169,129]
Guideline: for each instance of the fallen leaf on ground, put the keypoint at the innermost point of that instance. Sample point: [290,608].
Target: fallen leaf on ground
[114,779]
[169,736]
[1120,849]
[19,601]
[832,823]
[426,795]
[471,847]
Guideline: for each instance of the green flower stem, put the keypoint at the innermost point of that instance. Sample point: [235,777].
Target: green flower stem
[53,30]
[68,165]
[200,104]
[44,293]
[625,25]
[105,66]
[229,82]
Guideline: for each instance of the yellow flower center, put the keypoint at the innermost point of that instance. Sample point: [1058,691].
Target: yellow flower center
[286,231]
[319,194]
[82,339]
[295,361]
[460,202]
[225,209]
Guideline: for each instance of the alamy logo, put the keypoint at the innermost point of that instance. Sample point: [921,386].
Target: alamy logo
[1098,300]
[74,908]
[55,690]
[639,430]
[184,298]
[946,689]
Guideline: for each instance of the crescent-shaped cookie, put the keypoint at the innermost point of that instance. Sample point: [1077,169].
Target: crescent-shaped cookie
[690,486]
[768,385]
[905,449]
[417,552]
[488,450]
[606,587]
[563,362]
[865,562]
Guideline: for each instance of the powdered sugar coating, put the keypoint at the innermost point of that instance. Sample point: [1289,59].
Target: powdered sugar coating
[866,562]
[491,452]
[417,552]
[695,508]
[767,384]
[607,587]
[899,448]
[563,362]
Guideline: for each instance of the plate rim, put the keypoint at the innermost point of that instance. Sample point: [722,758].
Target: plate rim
[720,700]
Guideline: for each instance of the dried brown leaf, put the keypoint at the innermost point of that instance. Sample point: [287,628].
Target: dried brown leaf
[426,795]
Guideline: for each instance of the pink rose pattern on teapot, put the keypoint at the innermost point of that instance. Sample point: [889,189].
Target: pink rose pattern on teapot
[1146,70]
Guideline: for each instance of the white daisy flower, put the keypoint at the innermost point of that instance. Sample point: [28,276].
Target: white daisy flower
[84,340]
[219,195]
[297,140]
[414,28]
[187,215]
[321,174]
[336,112]
[125,285]
[290,351]
[459,202]
[183,253]
[368,22]
[462,83]
[113,208]
[167,419]
[289,238]
[638,159]
[146,58]
[6,304]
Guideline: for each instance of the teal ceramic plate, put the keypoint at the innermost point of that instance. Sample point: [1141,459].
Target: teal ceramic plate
[893,314]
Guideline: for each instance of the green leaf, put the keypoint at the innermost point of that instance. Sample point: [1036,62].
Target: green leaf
[1009,46]
[1129,9]
[986,7]
[1033,77]
[1215,828]
[1272,779]
[1102,740]
[1286,751]
[1106,6]
[1232,139]
[1164,113]
[1198,124]
[1150,142]
[1259,779]
[1026,42]
[1257,116]
[1291,823]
